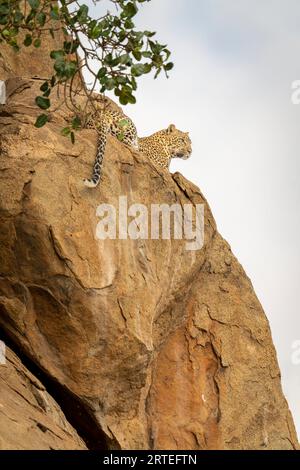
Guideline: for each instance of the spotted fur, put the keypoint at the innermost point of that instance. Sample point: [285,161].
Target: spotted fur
[160,147]
[164,145]
[111,122]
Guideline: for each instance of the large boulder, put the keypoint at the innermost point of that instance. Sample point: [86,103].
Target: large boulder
[30,418]
[165,348]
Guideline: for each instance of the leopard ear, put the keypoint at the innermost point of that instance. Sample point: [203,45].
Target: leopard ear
[171,128]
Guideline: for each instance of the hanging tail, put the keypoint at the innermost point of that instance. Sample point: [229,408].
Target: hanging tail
[96,176]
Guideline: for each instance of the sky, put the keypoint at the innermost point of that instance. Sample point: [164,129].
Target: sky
[235,62]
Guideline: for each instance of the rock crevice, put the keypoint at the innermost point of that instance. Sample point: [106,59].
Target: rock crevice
[74,418]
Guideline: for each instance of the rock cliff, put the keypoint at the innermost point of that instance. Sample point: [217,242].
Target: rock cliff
[137,344]
[30,417]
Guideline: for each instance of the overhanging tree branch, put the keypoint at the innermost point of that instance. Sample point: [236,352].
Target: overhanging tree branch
[109,48]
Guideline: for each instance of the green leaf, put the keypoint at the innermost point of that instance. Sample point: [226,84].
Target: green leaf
[37,43]
[70,69]
[149,34]
[121,80]
[137,70]
[168,53]
[3,19]
[147,54]
[129,10]
[123,123]
[59,65]
[76,122]
[157,73]
[125,59]
[123,99]
[15,47]
[57,54]
[34,4]
[139,35]
[108,59]
[28,40]
[42,119]
[110,84]
[6,33]
[67,47]
[147,68]
[65,131]
[102,72]
[65,69]
[169,66]
[41,18]
[42,102]
[115,61]
[133,83]
[14,31]
[156,48]
[44,86]
[129,24]
[95,32]
[18,17]
[4,9]
[82,14]
[137,54]
[131,99]
[54,13]
[120,136]
[122,35]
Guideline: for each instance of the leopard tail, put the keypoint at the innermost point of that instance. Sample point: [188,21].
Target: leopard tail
[101,144]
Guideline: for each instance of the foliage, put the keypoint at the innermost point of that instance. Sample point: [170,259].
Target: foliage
[109,49]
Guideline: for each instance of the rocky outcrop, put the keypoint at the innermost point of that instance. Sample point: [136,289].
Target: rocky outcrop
[30,418]
[162,348]
[29,63]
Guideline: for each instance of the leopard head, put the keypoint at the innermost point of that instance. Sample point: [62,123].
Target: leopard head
[179,143]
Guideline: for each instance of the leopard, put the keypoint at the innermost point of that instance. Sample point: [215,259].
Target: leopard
[164,145]
[159,147]
[114,122]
